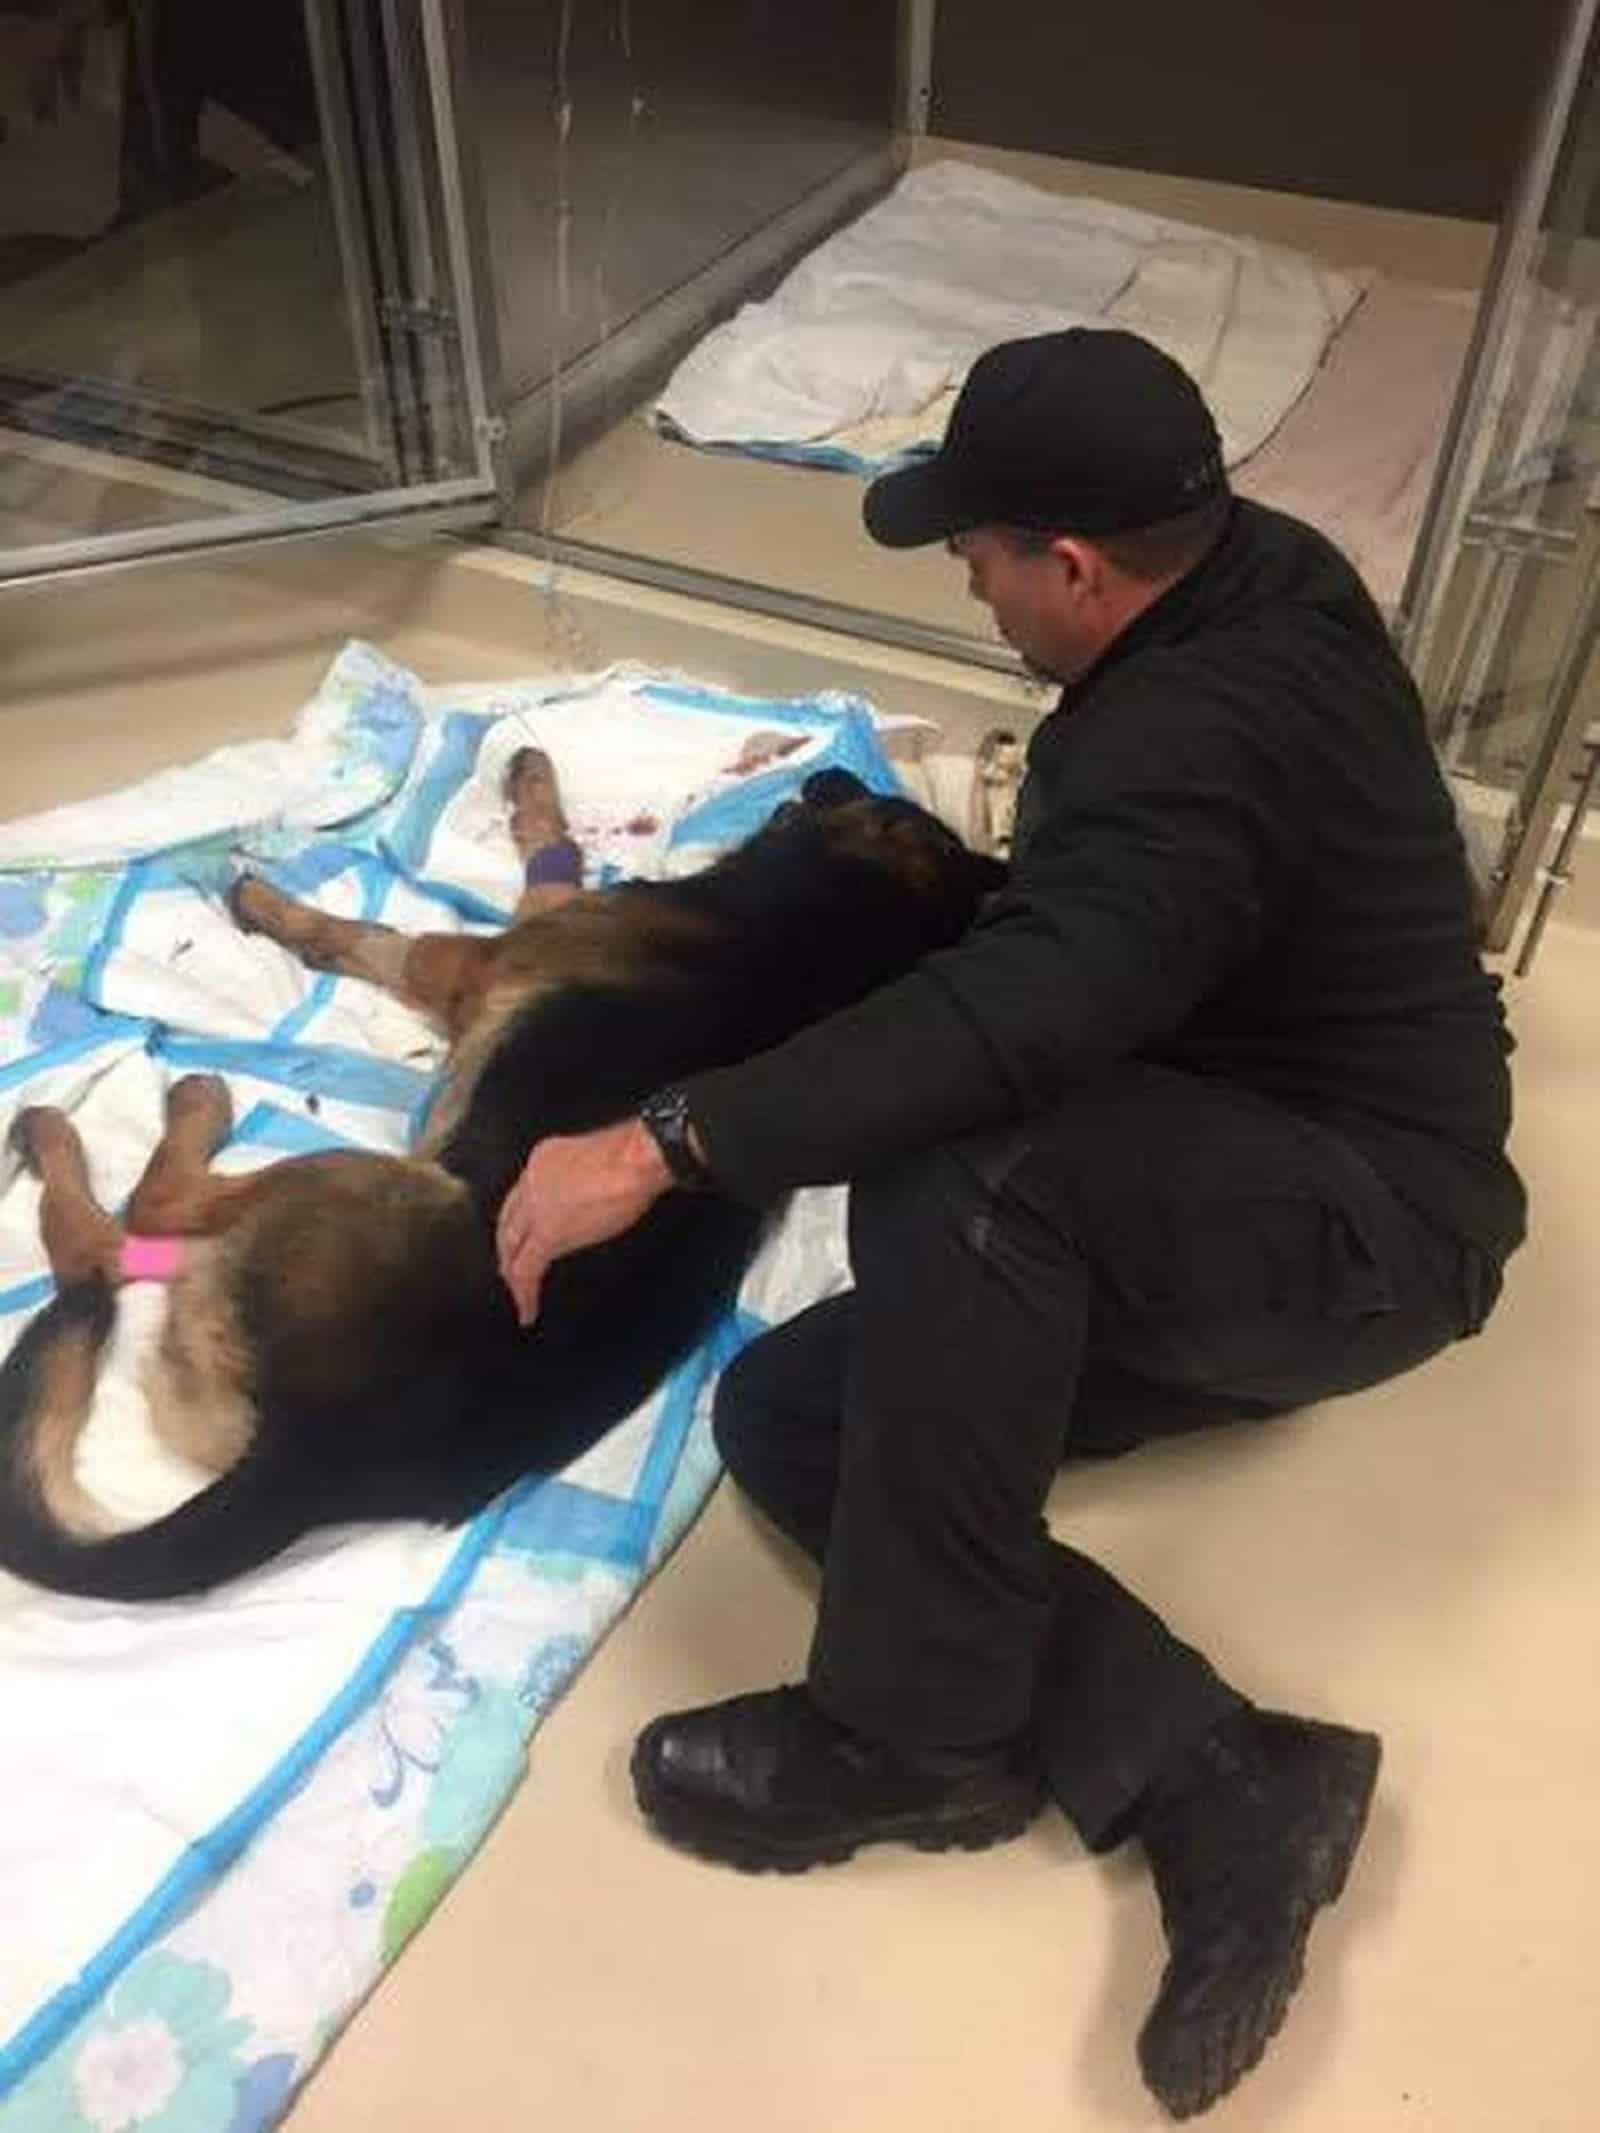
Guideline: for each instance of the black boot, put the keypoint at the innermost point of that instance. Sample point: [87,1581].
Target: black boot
[1247,1840]
[772,1781]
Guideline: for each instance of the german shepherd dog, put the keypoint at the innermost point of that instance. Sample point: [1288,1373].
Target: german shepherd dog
[338,1344]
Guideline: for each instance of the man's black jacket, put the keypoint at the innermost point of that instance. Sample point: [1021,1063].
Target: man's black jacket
[1235,855]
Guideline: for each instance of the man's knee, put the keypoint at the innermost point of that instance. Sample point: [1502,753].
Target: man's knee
[736,1414]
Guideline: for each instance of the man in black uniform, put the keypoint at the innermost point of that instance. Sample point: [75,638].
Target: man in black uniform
[1203,1120]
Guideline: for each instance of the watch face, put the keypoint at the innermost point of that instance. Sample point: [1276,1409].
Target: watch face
[667,1117]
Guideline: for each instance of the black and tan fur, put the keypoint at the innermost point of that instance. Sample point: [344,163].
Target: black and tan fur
[339,1345]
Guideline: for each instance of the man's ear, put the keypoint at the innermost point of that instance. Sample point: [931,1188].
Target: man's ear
[1081,562]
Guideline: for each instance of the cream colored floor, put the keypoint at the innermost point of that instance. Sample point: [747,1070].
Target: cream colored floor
[1425,1559]
[171,305]
[62,492]
[799,528]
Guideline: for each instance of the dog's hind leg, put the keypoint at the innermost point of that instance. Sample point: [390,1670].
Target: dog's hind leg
[349,947]
[80,1238]
[177,1196]
[442,975]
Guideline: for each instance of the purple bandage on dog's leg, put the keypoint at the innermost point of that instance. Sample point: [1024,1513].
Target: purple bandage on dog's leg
[153,1258]
[558,865]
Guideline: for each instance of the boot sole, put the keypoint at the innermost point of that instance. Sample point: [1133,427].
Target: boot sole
[1353,1779]
[754,1854]
[1352,1763]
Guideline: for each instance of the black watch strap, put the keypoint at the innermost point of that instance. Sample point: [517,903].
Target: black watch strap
[665,1117]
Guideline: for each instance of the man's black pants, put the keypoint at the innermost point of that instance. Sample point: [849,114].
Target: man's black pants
[1163,1253]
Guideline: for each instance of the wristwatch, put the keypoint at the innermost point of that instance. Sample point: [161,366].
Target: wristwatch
[665,1117]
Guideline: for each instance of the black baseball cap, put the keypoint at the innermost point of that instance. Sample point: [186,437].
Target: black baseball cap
[1087,431]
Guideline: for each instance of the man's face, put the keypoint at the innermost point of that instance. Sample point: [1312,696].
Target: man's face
[1038,598]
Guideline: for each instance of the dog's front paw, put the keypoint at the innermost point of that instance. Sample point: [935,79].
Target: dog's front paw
[252,905]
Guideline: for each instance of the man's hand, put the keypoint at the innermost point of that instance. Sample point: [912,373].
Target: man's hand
[573,1193]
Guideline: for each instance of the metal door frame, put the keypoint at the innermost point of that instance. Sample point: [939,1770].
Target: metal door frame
[1504,549]
[457,301]
[1508,267]
[1549,780]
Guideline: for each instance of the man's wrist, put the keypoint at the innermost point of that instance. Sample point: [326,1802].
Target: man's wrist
[645,1157]
[665,1121]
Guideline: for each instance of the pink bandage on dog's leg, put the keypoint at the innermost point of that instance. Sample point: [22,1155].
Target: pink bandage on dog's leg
[153,1258]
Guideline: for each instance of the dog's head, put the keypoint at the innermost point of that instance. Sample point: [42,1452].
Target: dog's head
[889,843]
[894,833]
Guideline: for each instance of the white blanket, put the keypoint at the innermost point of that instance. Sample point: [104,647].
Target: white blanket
[219,1818]
[857,357]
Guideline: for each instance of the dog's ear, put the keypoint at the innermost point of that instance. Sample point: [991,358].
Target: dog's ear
[832,788]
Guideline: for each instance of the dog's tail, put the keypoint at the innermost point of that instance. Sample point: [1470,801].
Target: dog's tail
[53,1534]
